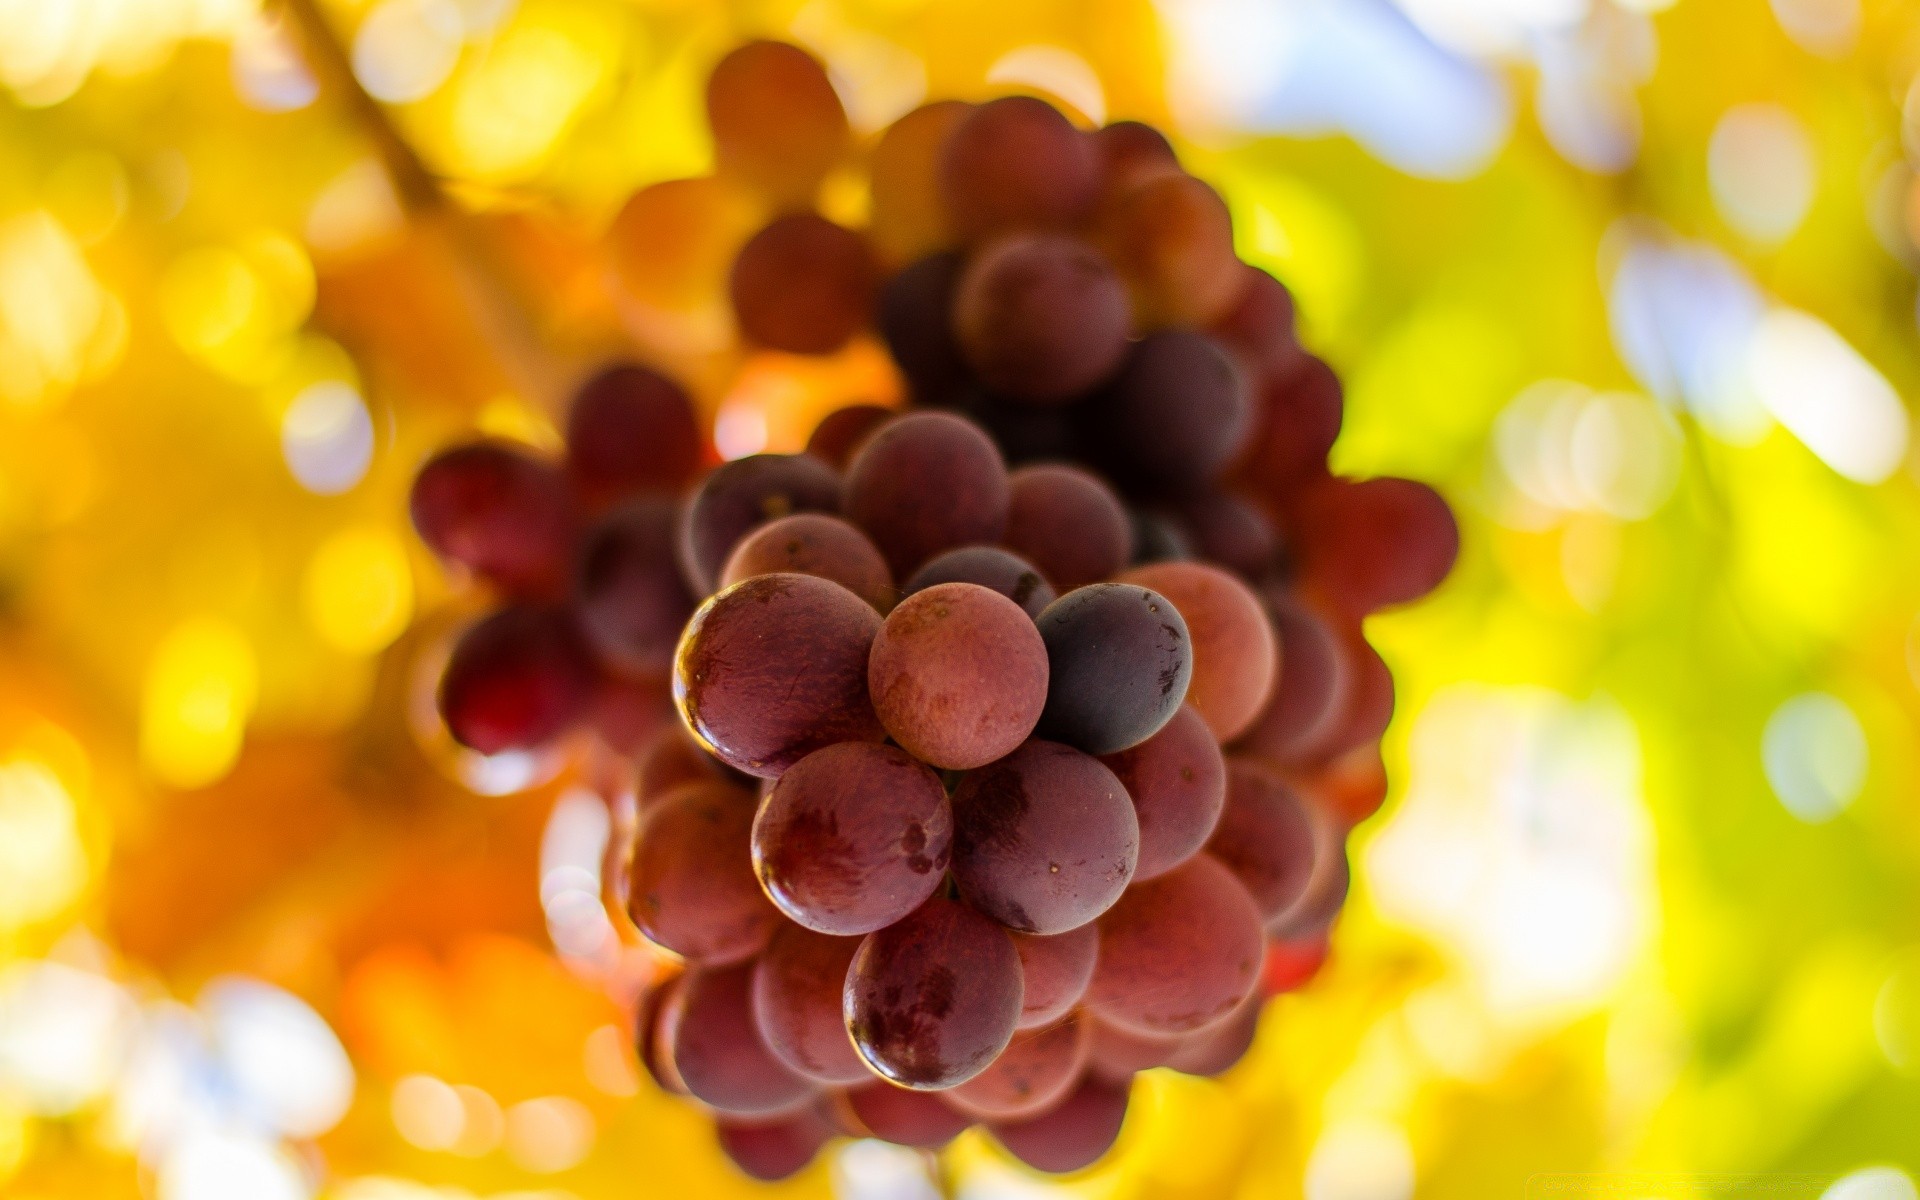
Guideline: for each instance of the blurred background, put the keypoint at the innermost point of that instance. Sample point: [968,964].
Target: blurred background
[1631,281]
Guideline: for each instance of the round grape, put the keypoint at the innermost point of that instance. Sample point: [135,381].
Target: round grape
[1298,420]
[653,1037]
[934,998]
[518,679]
[909,217]
[777,123]
[924,483]
[1178,781]
[813,544]
[691,886]
[1211,1051]
[504,515]
[798,984]
[990,567]
[1175,415]
[770,1151]
[1259,328]
[1130,153]
[1178,952]
[671,244]
[1310,915]
[1056,970]
[631,596]
[1171,239]
[1016,162]
[1371,544]
[1117,1055]
[1235,656]
[1068,523]
[958,675]
[903,1116]
[1041,317]
[631,429]
[1311,692]
[738,496]
[668,759]
[852,838]
[1119,660]
[916,321]
[1226,529]
[841,431]
[1072,1136]
[1034,1073]
[1265,837]
[718,1051]
[774,668]
[1044,840]
[802,284]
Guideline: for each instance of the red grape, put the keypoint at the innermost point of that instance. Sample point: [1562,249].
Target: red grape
[813,544]
[1296,423]
[1259,328]
[1178,952]
[1171,239]
[1228,530]
[737,496]
[1370,544]
[631,596]
[958,675]
[925,483]
[1178,781]
[1311,693]
[625,711]
[1044,840]
[631,429]
[841,431]
[1265,837]
[1072,1136]
[1235,656]
[1016,162]
[903,1116]
[691,886]
[1175,415]
[1309,916]
[1368,707]
[1068,523]
[1211,1051]
[1130,153]
[990,567]
[1056,970]
[909,216]
[1041,317]
[652,1038]
[718,1051]
[1119,660]
[1117,1054]
[802,284]
[1354,785]
[852,838]
[798,984]
[777,124]
[499,512]
[1158,537]
[774,1150]
[1035,1072]
[916,320]
[670,758]
[774,668]
[934,998]
[1290,963]
[518,679]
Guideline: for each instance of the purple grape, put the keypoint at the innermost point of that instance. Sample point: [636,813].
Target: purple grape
[1041,317]
[1056,970]
[1178,952]
[499,512]
[1265,837]
[1178,781]
[1068,523]
[743,494]
[1176,414]
[924,483]
[631,597]
[991,567]
[631,429]
[518,679]
[797,988]
[1119,660]
[718,1051]
[690,886]
[1072,1136]
[1034,1073]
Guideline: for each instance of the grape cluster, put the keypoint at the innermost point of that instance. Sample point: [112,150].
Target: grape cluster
[1020,733]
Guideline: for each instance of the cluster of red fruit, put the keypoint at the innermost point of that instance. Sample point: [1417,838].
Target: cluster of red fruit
[954,838]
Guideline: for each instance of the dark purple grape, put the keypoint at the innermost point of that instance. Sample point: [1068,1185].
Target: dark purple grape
[1072,1136]
[852,838]
[1368,706]
[738,496]
[1041,317]
[990,567]
[803,285]
[1026,432]
[1297,420]
[1119,660]
[1226,529]
[1044,839]
[1068,523]
[798,985]
[1016,162]
[1176,414]
[691,886]
[841,431]
[1178,781]
[1371,544]
[924,483]
[1158,537]
[916,320]
[904,1116]
[934,998]
[499,512]
[1178,952]
[718,1051]
[813,544]
[958,675]
[774,668]
[777,124]
[770,1151]
[518,679]
[1235,655]
[631,597]
[1310,694]
[1034,1073]
[631,429]
[1056,970]
[1265,837]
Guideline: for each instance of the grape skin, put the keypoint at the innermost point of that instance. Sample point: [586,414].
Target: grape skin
[924,483]
[1371,544]
[903,1116]
[631,429]
[631,596]
[1040,317]
[517,679]
[1072,1136]
[652,1040]
[774,668]
[934,998]
[1171,238]
[1178,781]
[813,544]
[1177,952]
[1176,414]
[1117,1055]
[1297,420]
[718,1052]
[852,838]
[1016,162]
[1068,523]
[958,675]
[991,567]
[1211,1051]
[1056,970]
[1120,660]
[691,886]
[770,1151]
[1045,839]
[1229,530]
[777,123]
[501,513]
[909,216]
[741,495]
[797,988]
[670,758]
[1132,152]
[802,284]
[1235,655]
[1265,837]
[1260,328]
[1036,1071]
[915,320]
[841,431]
[1311,693]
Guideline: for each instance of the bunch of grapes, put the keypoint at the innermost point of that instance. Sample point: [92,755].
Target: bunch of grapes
[992,786]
